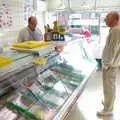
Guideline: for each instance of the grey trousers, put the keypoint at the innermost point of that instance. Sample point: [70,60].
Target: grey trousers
[109,87]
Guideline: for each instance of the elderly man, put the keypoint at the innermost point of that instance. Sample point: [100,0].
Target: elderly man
[30,32]
[111,61]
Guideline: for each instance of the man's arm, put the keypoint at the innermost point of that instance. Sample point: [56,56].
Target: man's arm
[41,35]
[23,35]
[20,37]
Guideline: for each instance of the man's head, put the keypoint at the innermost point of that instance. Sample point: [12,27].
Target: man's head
[112,19]
[32,23]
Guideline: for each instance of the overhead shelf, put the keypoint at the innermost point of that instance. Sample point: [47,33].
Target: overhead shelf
[82,5]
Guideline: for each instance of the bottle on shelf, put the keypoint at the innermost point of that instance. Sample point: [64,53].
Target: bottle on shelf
[47,34]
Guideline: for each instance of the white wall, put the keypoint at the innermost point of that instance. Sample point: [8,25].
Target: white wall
[41,9]
[9,34]
[8,37]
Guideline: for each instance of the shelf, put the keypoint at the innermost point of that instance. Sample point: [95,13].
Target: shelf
[47,91]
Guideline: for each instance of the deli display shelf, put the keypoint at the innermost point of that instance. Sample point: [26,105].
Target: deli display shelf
[46,91]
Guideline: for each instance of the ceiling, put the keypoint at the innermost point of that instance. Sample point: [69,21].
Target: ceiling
[83,4]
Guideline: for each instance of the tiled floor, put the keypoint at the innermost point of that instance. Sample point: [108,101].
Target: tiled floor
[90,101]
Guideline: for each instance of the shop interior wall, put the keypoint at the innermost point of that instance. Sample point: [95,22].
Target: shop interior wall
[18,11]
[11,20]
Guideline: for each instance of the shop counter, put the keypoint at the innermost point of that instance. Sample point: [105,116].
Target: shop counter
[47,91]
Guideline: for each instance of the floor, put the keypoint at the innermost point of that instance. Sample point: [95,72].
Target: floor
[90,101]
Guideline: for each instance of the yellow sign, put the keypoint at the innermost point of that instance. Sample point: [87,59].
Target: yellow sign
[5,61]
[30,44]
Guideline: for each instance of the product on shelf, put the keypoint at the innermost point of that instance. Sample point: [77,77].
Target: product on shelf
[18,99]
[55,27]
[7,114]
[25,112]
[5,61]
[41,61]
[72,75]
[34,93]
[30,44]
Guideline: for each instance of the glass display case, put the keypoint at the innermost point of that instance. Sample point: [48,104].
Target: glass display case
[47,92]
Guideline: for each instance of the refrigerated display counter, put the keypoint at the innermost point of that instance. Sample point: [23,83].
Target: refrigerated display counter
[46,91]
